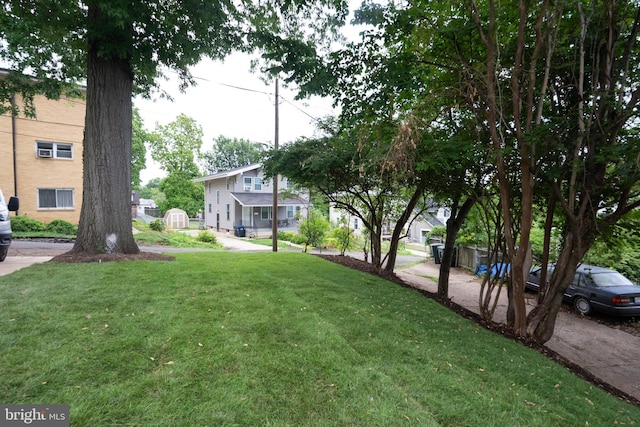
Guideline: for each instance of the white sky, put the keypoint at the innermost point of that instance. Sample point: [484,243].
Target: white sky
[232,111]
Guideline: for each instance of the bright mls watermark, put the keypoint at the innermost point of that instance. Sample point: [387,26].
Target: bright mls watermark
[34,415]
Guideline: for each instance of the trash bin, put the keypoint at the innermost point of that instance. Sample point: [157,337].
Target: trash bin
[436,250]
[240,231]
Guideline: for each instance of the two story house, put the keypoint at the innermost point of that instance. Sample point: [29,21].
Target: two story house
[41,158]
[242,196]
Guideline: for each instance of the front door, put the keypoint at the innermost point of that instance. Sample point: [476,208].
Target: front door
[246,216]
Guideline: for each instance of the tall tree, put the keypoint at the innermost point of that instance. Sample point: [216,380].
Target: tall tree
[229,153]
[120,48]
[176,147]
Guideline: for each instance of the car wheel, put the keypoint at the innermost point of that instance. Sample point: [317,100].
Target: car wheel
[3,253]
[582,305]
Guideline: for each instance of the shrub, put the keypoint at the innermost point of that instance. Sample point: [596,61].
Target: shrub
[205,236]
[60,226]
[286,235]
[26,224]
[157,225]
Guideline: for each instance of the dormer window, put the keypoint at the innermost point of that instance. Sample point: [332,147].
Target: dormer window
[247,183]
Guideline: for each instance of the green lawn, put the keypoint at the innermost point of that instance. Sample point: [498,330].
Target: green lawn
[268,339]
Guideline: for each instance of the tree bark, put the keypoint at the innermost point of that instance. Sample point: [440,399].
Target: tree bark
[454,223]
[404,217]
[105,218]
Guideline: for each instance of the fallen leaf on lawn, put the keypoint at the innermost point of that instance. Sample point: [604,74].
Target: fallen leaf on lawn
[200,344]
[152,359]
[170,362]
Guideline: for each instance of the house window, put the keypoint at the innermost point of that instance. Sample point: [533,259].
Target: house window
[289,212]
[247,184]
[209,207]
[55,198]
[289,185]
[228,212]
[257,183]
[217,197]
[227,183]
[54,150]
[355,223]
[266,212]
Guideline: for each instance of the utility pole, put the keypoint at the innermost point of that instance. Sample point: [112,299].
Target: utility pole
[274,228]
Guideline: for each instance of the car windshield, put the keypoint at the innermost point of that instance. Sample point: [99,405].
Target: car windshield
[610,279]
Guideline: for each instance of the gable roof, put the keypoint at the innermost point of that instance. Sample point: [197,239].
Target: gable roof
[231,172]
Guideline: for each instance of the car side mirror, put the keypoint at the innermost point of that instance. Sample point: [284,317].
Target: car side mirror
[14,204]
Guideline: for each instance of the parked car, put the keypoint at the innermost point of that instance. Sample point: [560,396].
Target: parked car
[596,289]
[5,224]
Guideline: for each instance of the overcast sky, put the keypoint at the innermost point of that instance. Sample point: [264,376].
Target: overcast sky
[232,101]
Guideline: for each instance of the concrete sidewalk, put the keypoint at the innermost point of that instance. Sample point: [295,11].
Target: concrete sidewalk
[610,354]
[15,263]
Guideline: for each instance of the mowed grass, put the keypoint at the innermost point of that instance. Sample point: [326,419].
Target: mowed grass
[268,339]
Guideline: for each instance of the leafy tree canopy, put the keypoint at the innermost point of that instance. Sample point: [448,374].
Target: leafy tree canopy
[230,153]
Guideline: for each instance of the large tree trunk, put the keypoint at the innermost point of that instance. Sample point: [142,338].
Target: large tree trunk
[105,218]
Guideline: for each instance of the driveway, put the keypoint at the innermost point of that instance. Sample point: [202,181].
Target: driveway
[610,354]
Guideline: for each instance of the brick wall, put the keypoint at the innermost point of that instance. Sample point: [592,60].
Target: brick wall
[57,122]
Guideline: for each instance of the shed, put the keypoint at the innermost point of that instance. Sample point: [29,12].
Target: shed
[176,218]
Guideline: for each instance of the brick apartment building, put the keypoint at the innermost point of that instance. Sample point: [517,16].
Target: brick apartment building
[41,159]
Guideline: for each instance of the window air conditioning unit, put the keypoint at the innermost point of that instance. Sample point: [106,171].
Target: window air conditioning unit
[44,152]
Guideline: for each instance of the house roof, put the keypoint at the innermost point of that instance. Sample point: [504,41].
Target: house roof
[431,219]
[266,199]
[228,173]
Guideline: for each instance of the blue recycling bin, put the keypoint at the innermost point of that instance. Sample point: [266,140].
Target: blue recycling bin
[240,231]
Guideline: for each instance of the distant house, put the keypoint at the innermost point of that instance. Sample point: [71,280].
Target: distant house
[242,196]
[434,217]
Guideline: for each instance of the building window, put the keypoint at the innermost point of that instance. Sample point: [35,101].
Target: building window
[227,183]
[257,183]
[55,198]
[54,150]
[266,212]
[217,197]
[209,207]
[228,212]
[355,223]
[289,212]
[247,184]
[289,185]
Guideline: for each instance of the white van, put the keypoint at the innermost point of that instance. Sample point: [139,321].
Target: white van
[5,224]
